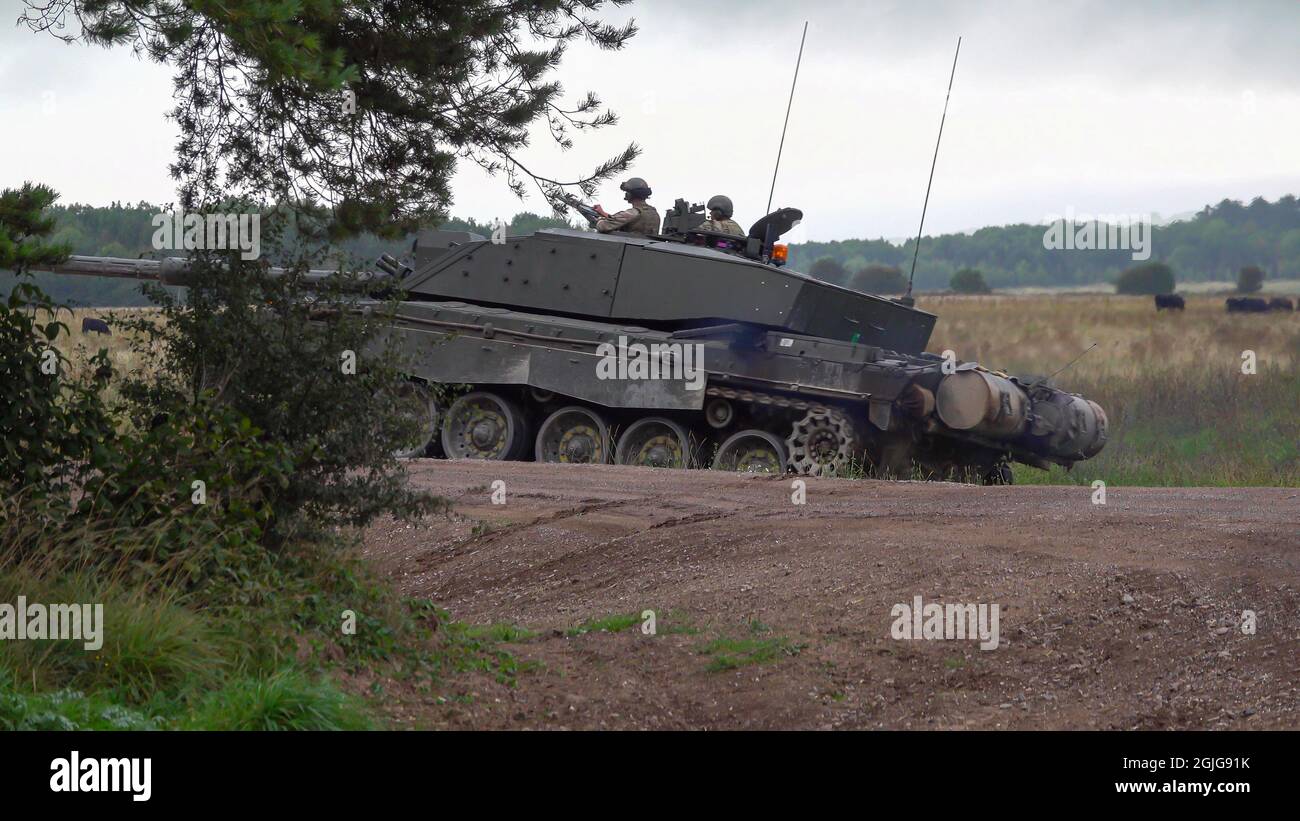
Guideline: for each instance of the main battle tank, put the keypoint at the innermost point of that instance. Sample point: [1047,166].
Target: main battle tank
[689,349]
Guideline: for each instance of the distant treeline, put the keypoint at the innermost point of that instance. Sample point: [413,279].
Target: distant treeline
[1214,245]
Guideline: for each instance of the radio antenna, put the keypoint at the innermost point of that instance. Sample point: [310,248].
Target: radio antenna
[907,299]
[1059,372]
[788,106]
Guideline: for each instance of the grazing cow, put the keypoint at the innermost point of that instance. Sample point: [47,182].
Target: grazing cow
[1278,303]
[1173,302]
[99,326]
[1246,304]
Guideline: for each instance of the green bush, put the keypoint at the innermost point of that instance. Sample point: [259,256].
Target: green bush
[829,269]
[1250,279]
[1146,279]
[335,428]
[879,279]
[969,281]
[222,600]
[66,710]
[51,421]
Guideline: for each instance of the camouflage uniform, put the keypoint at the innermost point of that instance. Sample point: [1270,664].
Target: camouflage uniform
[639,219]
[723,226]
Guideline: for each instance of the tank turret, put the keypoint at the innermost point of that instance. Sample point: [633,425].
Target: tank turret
[661,283]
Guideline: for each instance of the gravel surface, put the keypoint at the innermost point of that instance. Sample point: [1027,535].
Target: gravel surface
[770,614]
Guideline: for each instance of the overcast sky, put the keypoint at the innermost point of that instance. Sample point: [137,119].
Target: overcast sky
[1102,107]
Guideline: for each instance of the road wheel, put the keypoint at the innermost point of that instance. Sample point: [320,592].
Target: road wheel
[751,451]
[1000,475]
[416,402]
[482,425]
[654,442]
[573,435]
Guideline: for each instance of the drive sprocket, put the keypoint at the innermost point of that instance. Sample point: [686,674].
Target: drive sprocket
[822,443]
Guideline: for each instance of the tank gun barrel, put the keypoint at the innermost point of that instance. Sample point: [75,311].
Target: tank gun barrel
[115,267]
[176,270]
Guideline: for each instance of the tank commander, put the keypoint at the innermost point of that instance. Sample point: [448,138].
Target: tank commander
[720,210]
[641,218]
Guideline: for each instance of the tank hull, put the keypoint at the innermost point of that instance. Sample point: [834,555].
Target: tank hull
[885,418]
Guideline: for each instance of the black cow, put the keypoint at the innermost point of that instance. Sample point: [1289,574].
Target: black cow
[1173,302]
[90,324]
[1278,303]
[1246,304]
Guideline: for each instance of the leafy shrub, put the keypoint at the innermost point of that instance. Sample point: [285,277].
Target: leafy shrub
[969,281]
[829,269]
[50,421]
[148,481]
[879,279]
[225,593]
[273,349]
[1146,279]
[244,386]
[1250,279]
[66,710]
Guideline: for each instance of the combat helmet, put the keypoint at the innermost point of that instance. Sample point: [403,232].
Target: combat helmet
[721,204]
[636,188]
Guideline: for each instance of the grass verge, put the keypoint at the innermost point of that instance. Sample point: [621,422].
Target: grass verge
[264,653]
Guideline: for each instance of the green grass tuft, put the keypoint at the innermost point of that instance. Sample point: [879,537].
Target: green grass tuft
[150,641]
[284,700]
[501,632]
[609,624]
[733,653]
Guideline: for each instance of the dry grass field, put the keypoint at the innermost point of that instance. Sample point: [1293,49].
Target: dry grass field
[79,346]
[1181,410]
[1041,333]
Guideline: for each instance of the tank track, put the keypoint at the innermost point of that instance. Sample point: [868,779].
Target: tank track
[816,438]
[764,399]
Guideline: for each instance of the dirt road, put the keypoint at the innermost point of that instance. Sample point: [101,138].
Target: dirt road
[770,614]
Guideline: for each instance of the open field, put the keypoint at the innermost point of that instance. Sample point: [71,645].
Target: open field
[1041,333]
[1181,410]
[1272,287]
[771,615]
[78,346]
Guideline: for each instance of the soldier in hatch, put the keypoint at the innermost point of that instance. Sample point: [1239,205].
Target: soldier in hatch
[641,218]
[720,217]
